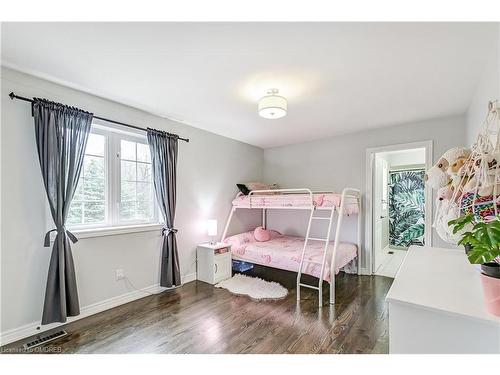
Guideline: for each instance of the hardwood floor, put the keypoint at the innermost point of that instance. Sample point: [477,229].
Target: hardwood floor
[198,318]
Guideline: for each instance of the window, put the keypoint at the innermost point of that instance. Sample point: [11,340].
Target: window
[89,202]
[136,187]
[116,186]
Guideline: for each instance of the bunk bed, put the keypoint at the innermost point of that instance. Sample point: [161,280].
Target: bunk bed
[318,257]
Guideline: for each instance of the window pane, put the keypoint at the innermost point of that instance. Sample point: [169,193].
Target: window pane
[89,202]
[143,172]
[128,150]
[136,199]
[95,144]
[128,170]
[75,213]
[144,191]
[143,153]
[128,191]
[78,192]
[144,210]
[94,212]
[93,167]
[127,210]
[93,189]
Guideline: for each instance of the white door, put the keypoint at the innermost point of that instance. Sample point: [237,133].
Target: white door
[380,211]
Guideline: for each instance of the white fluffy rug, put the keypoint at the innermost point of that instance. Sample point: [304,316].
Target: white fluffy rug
[253,287]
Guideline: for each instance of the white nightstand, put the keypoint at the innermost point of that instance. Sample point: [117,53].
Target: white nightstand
[213,262]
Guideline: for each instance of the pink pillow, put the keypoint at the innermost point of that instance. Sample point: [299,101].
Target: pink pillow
[261,234]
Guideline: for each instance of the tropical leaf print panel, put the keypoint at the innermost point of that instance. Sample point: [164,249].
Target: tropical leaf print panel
[406,208]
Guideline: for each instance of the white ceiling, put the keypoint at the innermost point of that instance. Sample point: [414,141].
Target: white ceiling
[338,77]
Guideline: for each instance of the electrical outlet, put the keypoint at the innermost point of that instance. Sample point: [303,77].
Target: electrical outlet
[120,274]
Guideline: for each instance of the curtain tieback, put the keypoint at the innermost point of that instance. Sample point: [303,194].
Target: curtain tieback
[71,236]
[166,231]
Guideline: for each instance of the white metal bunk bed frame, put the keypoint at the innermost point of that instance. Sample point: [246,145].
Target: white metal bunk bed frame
[346,194]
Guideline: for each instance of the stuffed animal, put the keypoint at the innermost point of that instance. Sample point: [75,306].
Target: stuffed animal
[444,213]
[457,167]
[446,177]
[439,175]
[458,171]
[483,183]
[445,193]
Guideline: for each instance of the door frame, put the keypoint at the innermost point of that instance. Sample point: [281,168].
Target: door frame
[369,222]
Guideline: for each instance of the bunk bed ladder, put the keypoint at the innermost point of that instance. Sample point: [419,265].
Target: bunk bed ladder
[304,260]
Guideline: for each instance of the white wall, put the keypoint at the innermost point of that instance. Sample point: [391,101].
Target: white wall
[336,162]
[209,166]
[488,89]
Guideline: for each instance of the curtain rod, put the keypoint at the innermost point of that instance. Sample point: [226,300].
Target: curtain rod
[14,96]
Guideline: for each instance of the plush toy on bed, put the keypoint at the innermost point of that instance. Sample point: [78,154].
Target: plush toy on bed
[261,234]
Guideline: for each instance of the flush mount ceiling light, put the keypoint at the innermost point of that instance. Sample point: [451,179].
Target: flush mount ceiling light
[272,105]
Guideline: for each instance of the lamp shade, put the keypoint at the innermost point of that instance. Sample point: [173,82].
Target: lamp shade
[273,106]
[212,227]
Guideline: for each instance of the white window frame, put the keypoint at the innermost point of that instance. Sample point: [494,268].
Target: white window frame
[112,224]
[115,183]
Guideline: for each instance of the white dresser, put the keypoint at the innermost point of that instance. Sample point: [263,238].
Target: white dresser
[436,306]
[213,262]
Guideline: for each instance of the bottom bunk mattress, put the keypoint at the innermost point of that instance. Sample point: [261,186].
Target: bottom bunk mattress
[284,252]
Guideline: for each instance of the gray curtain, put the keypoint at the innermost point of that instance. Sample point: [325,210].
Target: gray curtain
[163,147]
[61,137]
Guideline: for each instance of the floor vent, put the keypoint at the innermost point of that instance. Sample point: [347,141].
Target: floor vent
[40,340]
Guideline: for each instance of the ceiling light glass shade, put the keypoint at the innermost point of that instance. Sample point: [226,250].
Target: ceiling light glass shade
[272,106]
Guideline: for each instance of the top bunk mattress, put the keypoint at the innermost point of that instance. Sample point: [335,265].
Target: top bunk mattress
[303,201]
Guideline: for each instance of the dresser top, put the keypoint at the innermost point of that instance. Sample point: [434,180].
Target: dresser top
[440,279]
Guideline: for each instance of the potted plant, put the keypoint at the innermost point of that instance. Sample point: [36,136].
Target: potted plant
[482,246]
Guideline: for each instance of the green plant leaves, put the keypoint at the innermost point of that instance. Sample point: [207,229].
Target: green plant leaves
[484,239]
[460,222]
[482,254]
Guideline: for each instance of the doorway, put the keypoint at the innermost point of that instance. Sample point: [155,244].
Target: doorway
[399,213]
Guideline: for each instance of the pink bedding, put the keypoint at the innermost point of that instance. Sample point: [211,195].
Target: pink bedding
[284,252]
[320,200]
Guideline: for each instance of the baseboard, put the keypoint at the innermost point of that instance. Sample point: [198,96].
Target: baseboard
[34,328]
[188,278]
[365,272]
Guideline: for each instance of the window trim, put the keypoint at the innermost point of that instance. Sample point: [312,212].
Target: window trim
[112,224]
